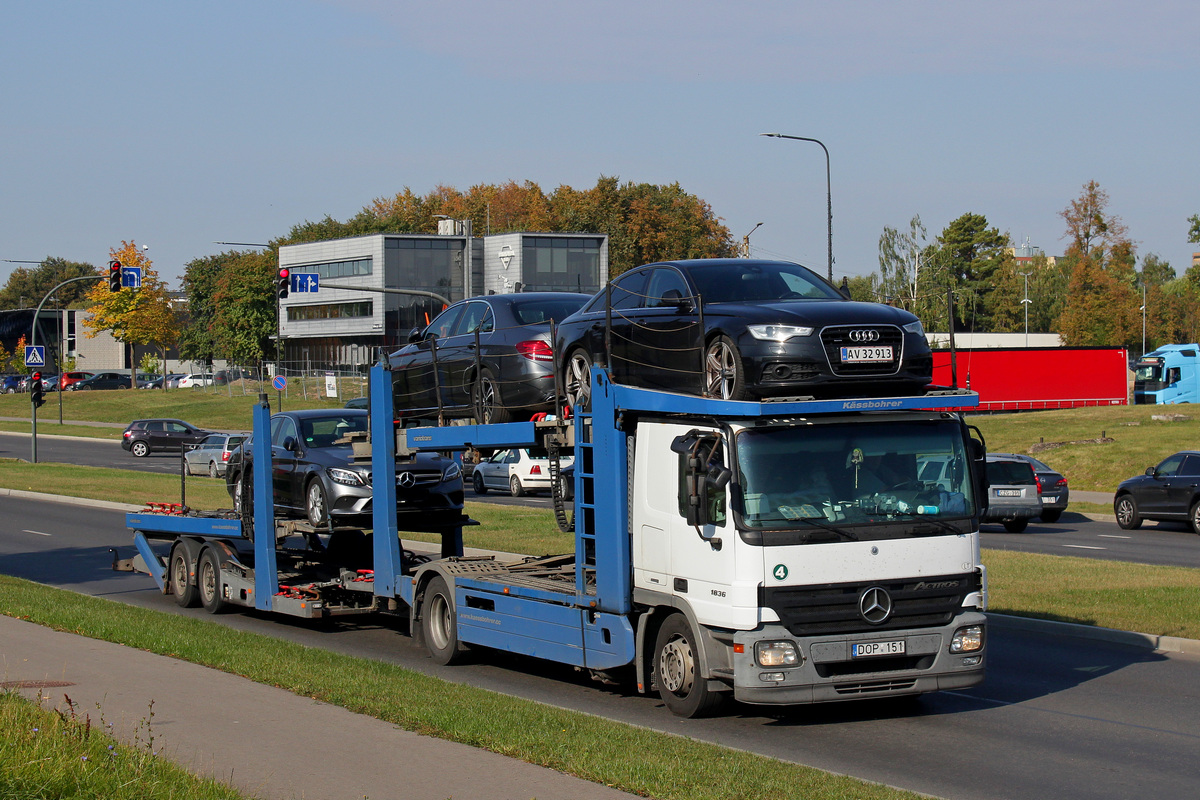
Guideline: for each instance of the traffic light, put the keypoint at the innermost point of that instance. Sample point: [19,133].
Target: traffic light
[114,276]
[35,390]
[283,284]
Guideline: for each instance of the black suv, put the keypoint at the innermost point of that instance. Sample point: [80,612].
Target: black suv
[316,476]
[1169,492]
[144,436]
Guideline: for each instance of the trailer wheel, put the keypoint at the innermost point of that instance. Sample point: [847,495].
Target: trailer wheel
[1126,511]
[441,624]
[187,595]
[676,671]
[208,577]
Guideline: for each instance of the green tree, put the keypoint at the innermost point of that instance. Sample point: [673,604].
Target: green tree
[27,286]
[244,308]
[1155,271]
[900,257]
[969,255]
[1194,230]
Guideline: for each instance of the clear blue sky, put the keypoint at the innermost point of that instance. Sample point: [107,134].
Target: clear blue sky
[177,125]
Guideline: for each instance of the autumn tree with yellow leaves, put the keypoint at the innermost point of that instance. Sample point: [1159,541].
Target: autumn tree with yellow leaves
[141,316]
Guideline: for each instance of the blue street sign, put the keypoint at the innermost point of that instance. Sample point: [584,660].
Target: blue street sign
[279,382]
[131,277]
[306,282]
[35,355]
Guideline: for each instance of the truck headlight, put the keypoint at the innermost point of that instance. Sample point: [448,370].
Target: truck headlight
[967,640]
[776,654]
[777,333]
[345,477]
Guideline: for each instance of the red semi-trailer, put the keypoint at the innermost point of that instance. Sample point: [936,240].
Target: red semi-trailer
[1021,379]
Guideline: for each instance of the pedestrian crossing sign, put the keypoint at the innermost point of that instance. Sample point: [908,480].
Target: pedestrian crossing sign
[35,355]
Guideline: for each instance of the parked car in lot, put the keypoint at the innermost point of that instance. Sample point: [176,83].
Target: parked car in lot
[145,436]
[1012,493]
[510,376]
[1052,486]
[13,384]
[68,379]
[518,471]
[195,380]
[315,475]
[49,383]
[1169,492]
[210,455]
[172,380]
[742,329]
[356,402]
[101,380]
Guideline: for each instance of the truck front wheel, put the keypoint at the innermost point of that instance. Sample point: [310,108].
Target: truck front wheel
[441,624]
[677,670]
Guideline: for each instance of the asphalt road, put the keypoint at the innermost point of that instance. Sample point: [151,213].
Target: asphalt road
[1159,543]
[1057,716]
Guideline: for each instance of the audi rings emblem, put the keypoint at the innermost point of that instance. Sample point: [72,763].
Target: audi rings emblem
[406,480]
[875,605]
[864,336]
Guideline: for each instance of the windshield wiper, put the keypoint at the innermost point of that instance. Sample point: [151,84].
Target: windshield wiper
[919,529]
[825,526]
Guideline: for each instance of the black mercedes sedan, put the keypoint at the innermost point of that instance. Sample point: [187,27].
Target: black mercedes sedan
[315,475]
[508,376]
[741,329]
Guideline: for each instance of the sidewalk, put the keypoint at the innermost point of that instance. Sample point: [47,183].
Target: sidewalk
[265,742]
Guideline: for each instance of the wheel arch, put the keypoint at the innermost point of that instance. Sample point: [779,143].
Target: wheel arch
[713,652]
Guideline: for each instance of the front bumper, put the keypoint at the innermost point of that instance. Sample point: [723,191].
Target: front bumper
[829,674]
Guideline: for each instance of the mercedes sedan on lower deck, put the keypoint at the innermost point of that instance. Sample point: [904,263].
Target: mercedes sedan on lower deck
[315,474]
[741,329]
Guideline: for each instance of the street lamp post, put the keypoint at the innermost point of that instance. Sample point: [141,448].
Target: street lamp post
[746,241]
[1143,310]
[1026,303]
[828,190]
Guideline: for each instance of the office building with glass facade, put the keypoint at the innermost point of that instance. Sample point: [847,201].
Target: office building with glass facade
[357,309]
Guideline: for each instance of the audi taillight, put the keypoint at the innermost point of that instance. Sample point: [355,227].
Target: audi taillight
[535,350]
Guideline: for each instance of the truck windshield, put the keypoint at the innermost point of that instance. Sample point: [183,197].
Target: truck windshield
[863,480]
[1148,372]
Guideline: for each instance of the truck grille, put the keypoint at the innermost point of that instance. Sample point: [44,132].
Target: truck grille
[835,337]
[834,608]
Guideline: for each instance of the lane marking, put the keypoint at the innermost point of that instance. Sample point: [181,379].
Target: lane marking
[1084,547]
[1112,536]
[37,533]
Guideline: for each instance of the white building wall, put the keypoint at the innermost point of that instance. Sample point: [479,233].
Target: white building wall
[296,256]
[980,340]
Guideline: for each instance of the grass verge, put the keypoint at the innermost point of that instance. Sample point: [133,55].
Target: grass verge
[1111,594]
[626,757]
[103,483]
[53,754]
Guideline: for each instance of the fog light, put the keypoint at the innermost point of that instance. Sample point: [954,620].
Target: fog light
[770,677]
[967,640]
[971,661]
[776,654]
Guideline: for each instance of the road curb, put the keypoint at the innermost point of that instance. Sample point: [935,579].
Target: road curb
[1144,641]
[70,501]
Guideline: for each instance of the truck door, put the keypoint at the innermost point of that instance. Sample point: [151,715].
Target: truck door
[671,555]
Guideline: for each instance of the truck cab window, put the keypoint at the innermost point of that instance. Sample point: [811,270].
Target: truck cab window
[712,455]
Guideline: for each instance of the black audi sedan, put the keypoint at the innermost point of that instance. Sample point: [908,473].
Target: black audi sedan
[1169,492]
[741,329]
[511,374]
[316,476]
